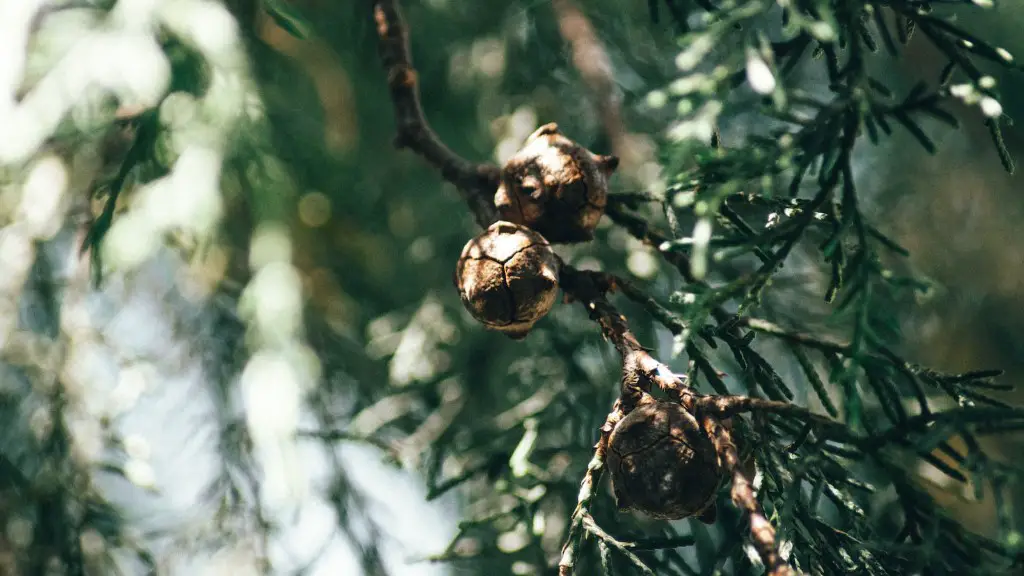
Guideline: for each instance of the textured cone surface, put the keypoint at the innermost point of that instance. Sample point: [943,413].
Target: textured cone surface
[662,463]
[508,278]
[531,281]
[555,186]
[484,292]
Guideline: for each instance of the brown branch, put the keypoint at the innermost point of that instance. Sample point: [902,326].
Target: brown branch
[761,531]
[476,182]
[589,288]
[725,407]
[640,370]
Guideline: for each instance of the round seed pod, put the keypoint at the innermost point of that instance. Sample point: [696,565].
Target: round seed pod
[508,278]
[662,463]
[555,186]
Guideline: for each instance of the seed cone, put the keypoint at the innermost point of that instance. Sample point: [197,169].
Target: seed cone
[555,186]
[662,463]
[508,278]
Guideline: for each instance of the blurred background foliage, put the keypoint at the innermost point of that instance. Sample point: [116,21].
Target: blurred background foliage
[374,234]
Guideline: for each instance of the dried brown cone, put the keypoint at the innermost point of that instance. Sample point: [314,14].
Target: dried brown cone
[662,463]
[508,278]
[555,186]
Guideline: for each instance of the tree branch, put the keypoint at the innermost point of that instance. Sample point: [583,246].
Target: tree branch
[743,495]
[476,182]
[640,370]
